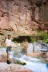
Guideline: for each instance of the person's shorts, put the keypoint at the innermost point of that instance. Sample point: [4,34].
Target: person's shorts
[8,49]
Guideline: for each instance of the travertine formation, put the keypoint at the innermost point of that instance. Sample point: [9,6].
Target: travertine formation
[24,17]
[13,68]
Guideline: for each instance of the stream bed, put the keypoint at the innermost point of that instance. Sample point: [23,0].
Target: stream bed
[34,64]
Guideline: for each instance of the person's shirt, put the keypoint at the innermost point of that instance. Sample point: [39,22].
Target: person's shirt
[8,42]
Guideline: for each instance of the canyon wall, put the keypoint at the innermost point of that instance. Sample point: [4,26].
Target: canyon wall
[24,17]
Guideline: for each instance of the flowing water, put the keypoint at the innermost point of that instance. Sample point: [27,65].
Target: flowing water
[36,65]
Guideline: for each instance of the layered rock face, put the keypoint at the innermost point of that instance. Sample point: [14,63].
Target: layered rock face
[21,16]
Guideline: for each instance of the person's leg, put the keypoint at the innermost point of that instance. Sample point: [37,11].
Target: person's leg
[7,53]
[8,61]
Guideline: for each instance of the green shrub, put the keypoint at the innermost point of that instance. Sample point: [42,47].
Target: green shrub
[44,36]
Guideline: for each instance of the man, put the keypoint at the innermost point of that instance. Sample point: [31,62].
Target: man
[8,44]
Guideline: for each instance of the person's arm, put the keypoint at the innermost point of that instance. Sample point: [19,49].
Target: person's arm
[5,42]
